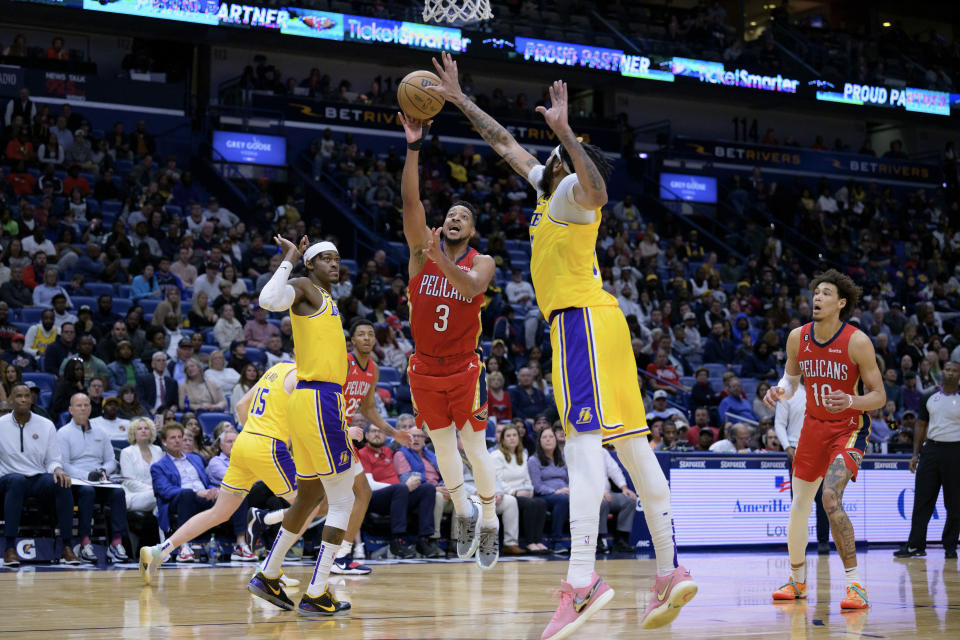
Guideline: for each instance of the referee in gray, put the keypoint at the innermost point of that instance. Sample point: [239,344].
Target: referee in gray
[936,464]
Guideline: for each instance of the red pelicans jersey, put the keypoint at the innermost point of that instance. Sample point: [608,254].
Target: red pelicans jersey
[359,381]
[827,367]
[444,323]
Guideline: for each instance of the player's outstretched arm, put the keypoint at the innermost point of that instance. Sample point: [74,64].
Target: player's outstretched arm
[790,382]
[863,354]
[489,129]
[468,283]
[368,408]
[414,218]
[590,191]
[278,294]
[242,407]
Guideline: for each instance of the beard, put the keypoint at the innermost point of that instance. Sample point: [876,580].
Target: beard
[454,243]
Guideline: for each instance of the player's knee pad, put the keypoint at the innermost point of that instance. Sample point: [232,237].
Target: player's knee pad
[340,500]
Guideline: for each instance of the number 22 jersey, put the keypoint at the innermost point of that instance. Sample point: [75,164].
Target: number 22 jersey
[444,324]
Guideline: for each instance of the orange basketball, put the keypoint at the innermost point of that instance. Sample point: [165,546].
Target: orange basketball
[415,99]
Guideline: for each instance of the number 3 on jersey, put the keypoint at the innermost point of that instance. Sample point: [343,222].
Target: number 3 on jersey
[443,312]
[259,404]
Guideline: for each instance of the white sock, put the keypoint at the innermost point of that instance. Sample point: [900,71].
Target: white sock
[345,549]
[272,566]
[328,551]
[274,517]
[451,467]
[166,549]
[853,575]
[488,513]
[799,573]
[584,457]
[654,494]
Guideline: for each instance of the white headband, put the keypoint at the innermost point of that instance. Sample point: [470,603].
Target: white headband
[318,248]
[556,152]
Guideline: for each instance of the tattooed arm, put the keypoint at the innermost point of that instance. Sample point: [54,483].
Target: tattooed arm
[590,192]
[489,129]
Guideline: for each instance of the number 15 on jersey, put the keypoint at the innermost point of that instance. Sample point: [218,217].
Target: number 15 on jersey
[259,404]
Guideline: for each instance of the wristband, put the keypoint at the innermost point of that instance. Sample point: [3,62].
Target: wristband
[849,400]
[415,146]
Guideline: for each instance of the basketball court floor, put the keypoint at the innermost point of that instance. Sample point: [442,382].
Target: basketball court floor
[916,598]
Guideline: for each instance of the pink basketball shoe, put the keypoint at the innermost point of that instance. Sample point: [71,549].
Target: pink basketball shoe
[577,605]
[669,594]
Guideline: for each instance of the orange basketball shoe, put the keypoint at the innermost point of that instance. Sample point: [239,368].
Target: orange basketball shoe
[791,591]
[856,597]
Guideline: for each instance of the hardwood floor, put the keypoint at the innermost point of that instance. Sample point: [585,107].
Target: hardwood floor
[916,598]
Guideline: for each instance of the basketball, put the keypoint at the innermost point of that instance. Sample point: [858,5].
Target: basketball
[415,99]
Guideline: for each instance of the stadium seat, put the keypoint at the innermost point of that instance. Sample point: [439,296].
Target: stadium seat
[486,346]
[255,355]
[98,289]
[123,290]
[79,301]
[388,375]
[45,381]
[716,369]
[688,381]
[207,349]
[64,419]
[31,315]
[45,398]
[210,419]
[749,387]
[122,305]
[149,305]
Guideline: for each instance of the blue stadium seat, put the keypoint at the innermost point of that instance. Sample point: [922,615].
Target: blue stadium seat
[518,258]
[351,265]
[207,349]
[486,346]
[45,381]
[79,301]
[123,166]
[111,207]
[392,422]
[23,326]
[750,387]
[149,305]
[716,369]
[30,315]
[249,284]
[45,398]
[122,305]
[210,419]
[123,290]
[255,355]
[173,209]
[208,338]
[98,289]
[64,419]
[688,381]
[389,375]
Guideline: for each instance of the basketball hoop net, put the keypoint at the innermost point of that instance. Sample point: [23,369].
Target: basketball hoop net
[456,12]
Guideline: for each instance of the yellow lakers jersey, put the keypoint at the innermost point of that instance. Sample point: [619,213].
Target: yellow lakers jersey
[268,409]
[563,263]
[320,348]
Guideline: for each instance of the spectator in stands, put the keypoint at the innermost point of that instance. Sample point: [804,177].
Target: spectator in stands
[107,347]
[183,268]
[519,292]
[737,442]
[183,488]
[80,154]
[60,313]
[548,474]
[135,462]
[227,328]
[110,421]
[527,401]
[395,497]
[256,259]
[719,347]
[770,441]
[500,407]
[17,356]
[219,374]
[224,436]
[88,455]
[201,314]
[169,306]
[248,379]
[43,293]
[124,370]
[702,394]
[760,409]
[20,147]
[760,364]
[184,354]
[420,462]
[258,331]
[56,51]
[661,409]
[93,367]
[396,348]
[911,396]
[157,389]
[197,394]
[704,441]
[21,105]
[701,420]
[209,282]
[275,352]
[671,440]
[142,142]
[14,292]
[622,502]
[31,466]
[145,285]
[510,460]
[736,403]
[104,317]
[664,375]
[42,334]
[60,349]
[7,330]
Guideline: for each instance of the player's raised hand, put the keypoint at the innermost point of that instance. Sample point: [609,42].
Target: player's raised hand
[289,249]
[413,128]
[772,397]
[434,247]
[449,86]
[403,437]
[556,115]
[355,433]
